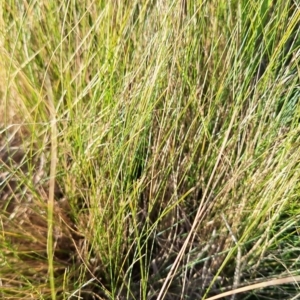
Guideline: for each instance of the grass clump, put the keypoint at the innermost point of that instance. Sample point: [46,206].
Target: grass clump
[149,150]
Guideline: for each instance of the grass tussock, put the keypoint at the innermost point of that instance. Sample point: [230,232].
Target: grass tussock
[149,150]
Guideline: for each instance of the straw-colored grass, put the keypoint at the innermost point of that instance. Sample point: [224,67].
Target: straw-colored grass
[149,150]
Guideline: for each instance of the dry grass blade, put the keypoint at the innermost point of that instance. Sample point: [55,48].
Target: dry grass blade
[268,283]
[50,244]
